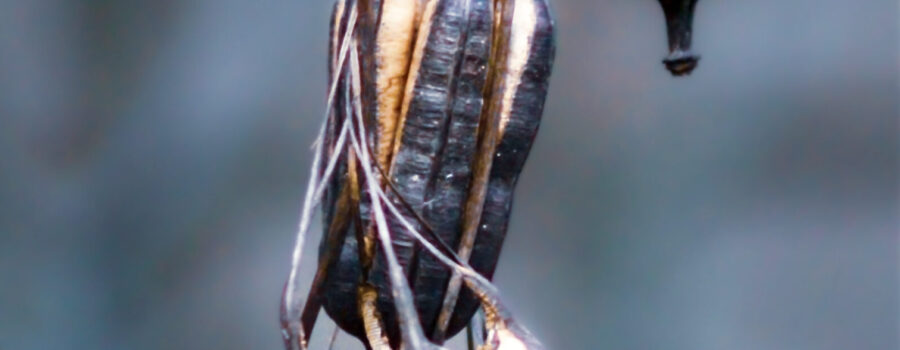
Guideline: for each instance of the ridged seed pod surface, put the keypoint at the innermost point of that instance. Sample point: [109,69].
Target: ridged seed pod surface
[453,96]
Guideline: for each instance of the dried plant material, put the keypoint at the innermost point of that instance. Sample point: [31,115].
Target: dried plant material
[394,41]
[513,116]
[371,318]
[291,303]
[413,181]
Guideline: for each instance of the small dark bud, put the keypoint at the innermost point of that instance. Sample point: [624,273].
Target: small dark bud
[679,20]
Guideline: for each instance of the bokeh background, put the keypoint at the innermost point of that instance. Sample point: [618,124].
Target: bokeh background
[153,154]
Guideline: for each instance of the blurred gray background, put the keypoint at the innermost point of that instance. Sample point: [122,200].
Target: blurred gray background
[153,154]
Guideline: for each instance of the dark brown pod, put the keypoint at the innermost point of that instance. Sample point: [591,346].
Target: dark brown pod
[450,151]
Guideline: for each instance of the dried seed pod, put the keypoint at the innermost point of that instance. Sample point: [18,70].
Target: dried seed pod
[447,117]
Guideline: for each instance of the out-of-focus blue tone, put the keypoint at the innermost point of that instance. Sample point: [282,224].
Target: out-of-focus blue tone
[153,154]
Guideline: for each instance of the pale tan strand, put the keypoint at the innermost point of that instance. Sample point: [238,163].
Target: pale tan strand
[371,319]
[415,64]
[338,13]
[310,202]
[332,163]
[393,44]
[523,24]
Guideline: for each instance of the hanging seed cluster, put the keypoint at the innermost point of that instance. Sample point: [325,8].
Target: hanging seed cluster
[435,105]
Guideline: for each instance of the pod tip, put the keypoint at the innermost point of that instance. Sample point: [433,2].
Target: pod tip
[681,63]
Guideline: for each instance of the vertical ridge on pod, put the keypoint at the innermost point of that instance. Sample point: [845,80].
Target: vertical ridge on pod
[515,112]
[448,186]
